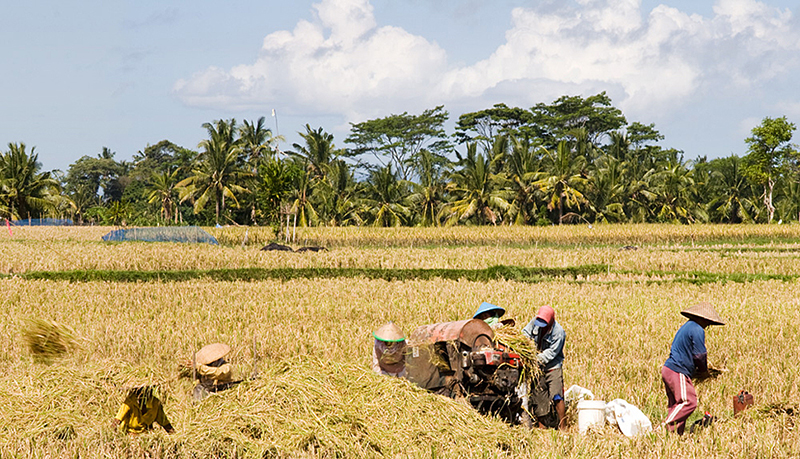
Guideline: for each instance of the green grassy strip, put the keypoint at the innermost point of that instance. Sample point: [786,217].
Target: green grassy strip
[703,277]
[501,272]
[516,273]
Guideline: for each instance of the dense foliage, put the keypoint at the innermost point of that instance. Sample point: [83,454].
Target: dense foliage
[574,160]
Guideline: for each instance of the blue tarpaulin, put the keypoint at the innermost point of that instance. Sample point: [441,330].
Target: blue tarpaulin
[43,222]
[192,234]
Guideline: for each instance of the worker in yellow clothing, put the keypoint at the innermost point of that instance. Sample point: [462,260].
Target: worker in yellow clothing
[140,410]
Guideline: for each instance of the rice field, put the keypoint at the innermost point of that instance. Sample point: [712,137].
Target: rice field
[310,340]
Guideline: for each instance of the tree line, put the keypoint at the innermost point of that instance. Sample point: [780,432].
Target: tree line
[575,160]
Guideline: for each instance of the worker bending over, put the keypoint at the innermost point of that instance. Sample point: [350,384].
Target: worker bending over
[549,338]
[212,371]
[140,410]
[688,358]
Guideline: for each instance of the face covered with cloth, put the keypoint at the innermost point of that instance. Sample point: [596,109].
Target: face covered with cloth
[388,356]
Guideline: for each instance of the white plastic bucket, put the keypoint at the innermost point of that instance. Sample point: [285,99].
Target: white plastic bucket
[591,415]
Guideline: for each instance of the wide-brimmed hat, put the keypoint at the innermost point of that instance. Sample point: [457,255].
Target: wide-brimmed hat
[211,353]
[486,307]
[389,333]
[705,311]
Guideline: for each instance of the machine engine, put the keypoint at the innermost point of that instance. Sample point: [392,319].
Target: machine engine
[459,359]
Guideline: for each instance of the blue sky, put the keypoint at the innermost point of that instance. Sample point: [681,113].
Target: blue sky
[78,76]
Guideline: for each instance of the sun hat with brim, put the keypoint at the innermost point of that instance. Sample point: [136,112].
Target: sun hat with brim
[211,353]
[389,333]
[487,307]
[704,311]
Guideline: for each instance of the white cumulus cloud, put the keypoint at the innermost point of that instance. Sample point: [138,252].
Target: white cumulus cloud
[342,62]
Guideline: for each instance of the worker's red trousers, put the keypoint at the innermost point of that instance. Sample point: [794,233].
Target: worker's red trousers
[681,399]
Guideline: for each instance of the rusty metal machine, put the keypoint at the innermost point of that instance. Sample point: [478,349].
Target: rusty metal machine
[460,359]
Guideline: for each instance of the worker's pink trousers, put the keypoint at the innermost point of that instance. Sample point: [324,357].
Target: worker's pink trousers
[681,399]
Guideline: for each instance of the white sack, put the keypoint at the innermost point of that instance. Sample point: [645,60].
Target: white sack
[629,418]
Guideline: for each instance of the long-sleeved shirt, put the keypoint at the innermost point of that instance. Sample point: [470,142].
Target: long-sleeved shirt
[688,354]
[134,420]
[214,375]
[551,348]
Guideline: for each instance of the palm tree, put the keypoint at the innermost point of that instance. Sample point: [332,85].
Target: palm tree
[276,179]
[606,189]
[476,191]
[316,157]
[428,196]
[118,213]
[23,189]
[337,195]
[562,179]
[217,175]
[789,200]
[583,144]
[673,187]
[161,189]
[521,168]
[257,141]
[257,145]
[733,201]
[386,198]
[305,214]
[318,151]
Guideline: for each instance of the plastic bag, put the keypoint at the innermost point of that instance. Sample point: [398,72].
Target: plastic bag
[575,393]
[630,419]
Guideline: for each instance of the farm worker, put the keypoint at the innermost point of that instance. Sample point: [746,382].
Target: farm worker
[389,351]
[140,410]
[687,359]
[491,314]
[549,338]
[212,370]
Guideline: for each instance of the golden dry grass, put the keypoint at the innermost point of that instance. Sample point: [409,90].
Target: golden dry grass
[316,396]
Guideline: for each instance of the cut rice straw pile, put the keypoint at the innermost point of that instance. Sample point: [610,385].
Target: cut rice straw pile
[298,408]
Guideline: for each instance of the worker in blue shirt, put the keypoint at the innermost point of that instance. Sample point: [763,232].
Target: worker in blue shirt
[688,358]
[549,338]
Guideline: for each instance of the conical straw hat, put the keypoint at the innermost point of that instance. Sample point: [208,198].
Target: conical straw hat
[704,311]
[211,353]
[389,333]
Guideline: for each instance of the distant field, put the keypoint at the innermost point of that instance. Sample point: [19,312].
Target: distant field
[602,234]
[311,333]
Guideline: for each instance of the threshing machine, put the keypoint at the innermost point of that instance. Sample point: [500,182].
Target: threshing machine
[459,359]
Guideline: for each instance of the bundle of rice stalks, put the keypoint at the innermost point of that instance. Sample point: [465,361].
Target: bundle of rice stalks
[47,339]
[512,338]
